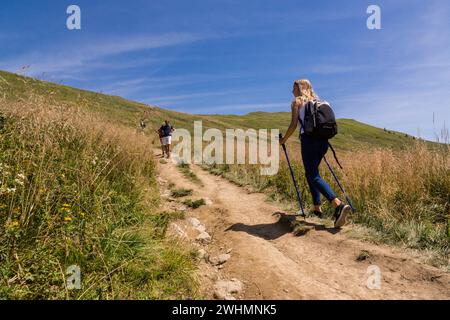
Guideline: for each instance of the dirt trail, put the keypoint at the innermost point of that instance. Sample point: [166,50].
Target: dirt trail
[273,263]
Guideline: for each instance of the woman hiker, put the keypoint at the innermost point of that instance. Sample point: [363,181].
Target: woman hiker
[313,150]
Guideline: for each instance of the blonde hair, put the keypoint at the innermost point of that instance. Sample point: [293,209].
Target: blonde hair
[306,90]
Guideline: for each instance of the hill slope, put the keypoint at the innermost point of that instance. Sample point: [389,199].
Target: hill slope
[78,186]
[353,134]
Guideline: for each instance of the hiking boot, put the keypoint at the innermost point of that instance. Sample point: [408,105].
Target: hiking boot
[340,215]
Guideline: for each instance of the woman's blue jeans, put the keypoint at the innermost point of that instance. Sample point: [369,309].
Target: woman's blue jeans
[313,150]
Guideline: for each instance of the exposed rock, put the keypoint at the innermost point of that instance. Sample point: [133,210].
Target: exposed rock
[363,255]
[208,202]
[219,260]
[204,238]
[200,228]
[161,181]
[165,195]
[202,254]
[224,290]
[195,222]
[179,230]
[224,258]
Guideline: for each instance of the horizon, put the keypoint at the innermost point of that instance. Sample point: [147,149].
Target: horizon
[233,58]
[217,114]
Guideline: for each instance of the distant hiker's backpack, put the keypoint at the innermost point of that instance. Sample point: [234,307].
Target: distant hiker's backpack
[166,130]
[319,121]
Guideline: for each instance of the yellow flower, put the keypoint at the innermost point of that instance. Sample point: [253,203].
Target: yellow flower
[10,226]
[82,214]
[67,218]
[66,205]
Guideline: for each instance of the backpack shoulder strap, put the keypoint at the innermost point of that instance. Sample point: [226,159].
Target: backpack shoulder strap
[335,157]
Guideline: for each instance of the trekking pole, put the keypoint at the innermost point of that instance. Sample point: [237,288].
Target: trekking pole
[293,179]
[339,184]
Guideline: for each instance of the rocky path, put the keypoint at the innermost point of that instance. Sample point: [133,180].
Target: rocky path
[247,252]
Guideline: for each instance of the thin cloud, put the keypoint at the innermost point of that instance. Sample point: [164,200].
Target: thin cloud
[85,56]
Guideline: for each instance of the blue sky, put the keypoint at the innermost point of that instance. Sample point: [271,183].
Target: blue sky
[236,57]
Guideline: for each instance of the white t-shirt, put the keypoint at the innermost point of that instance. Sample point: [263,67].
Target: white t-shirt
[301,116]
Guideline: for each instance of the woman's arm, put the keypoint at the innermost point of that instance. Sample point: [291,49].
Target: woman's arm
[294,121]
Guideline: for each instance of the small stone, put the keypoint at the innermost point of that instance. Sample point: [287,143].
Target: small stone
[195,222]
[224,290]
[179,230]
[208,202]
[202,254]
[161,180]
[363,255]
[219,260]
[224,258]
[165,195]
[204,238]
[200,228]
[229,251]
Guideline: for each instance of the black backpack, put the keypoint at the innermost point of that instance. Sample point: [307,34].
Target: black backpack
[166,130]
[319,121]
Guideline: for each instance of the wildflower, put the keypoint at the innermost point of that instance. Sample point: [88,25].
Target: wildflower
[10,190]
[12,225]
[21,176]
[67,218]
[82,214]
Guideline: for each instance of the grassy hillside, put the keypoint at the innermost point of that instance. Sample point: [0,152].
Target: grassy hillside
[78,188]
[77,184]
[352,135]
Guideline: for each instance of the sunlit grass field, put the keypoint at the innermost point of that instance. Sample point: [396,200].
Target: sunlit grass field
[77,188]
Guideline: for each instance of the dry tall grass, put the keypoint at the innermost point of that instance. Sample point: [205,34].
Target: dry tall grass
[77,190]
[403,194]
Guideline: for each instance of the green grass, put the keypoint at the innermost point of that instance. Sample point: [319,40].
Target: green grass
[180,193]
[194,204]
[352,134]
[78,188]
[185,169]
[402,195]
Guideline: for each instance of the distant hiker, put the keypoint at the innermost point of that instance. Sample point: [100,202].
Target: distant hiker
[142,124]
[166,140]
[314,149]
[160,135]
